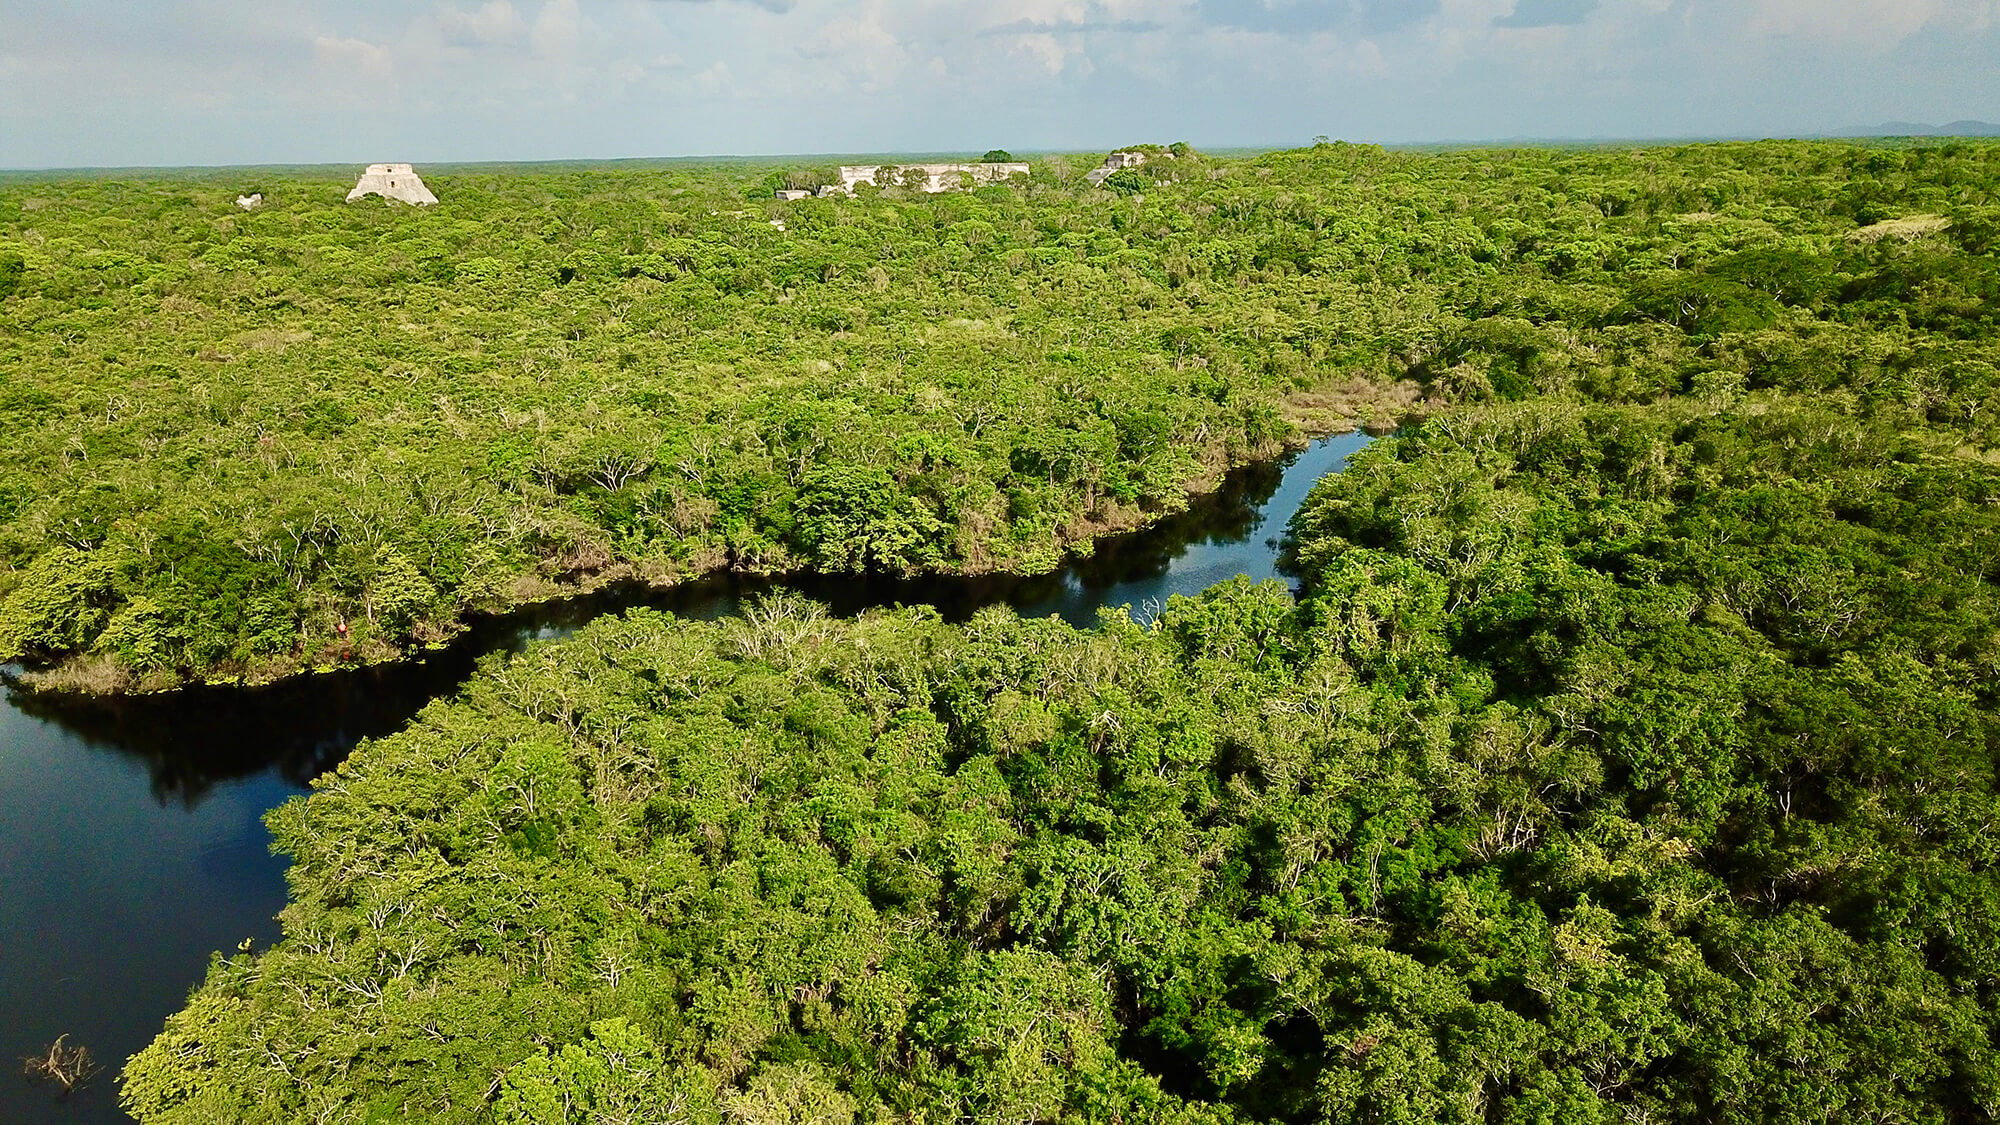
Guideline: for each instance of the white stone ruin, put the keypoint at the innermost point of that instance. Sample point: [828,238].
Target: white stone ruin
[392,181]
[931,178]
[250,202]
[1113,163]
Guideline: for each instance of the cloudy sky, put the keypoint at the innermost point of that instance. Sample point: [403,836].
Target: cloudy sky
[153,82]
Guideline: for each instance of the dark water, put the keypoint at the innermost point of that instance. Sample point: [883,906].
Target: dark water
[131,838]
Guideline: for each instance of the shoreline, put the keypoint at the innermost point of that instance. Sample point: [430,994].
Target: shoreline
[52,682]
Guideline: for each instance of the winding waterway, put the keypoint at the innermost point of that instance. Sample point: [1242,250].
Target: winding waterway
[132,843]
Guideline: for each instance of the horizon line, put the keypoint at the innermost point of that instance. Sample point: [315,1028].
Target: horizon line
[1846,134]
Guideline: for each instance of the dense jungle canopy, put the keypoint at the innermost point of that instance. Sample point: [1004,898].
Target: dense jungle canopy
[1620,763]
[1628,753]
[244,443]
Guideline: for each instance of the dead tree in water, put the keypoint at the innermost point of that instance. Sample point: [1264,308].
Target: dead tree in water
[66,1066]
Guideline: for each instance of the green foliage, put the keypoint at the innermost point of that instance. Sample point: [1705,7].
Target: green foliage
[13,268]
[1530,810]
[1629,755]
[858,520]
[615,1075]
[997,156]
[61,601]
[141,633]
[567,372]
[1128,181]
[398,593]
[276,425]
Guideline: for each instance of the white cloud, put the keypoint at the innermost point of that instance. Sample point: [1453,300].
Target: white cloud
[558,31]
[779,7]
[716,81]
[353,56]
[861,52]
[492,24]
[1051,54]
[1071,27]
[1879,24]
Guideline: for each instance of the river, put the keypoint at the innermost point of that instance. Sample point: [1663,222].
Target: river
[132,842]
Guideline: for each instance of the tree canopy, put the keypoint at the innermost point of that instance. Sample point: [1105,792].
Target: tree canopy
[1628,753]
[1617,762]
[236,423]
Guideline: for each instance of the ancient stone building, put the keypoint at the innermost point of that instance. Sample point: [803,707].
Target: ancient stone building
[934,177]
[1113,163]
[789,194]
[392,181]
[250,202]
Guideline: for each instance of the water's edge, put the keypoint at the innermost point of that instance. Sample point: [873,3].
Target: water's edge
[131,835]
[622,588]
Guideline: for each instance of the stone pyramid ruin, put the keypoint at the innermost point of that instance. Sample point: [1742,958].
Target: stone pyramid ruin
[392,181]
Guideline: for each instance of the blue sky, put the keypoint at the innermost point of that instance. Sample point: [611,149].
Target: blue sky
[156,82]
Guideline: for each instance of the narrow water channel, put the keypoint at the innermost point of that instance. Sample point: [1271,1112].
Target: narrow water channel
[132,844]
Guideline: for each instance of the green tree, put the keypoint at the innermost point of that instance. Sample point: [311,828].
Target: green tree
[398,593]
[61,601]
[616,1074]
[12,269]
[1128,181]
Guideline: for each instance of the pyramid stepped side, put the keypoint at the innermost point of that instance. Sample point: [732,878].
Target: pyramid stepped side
[392,181]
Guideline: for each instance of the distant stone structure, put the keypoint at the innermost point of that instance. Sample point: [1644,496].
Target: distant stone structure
[250,202]
[789,194]
[936,177]
[1117,161]
[392,181]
